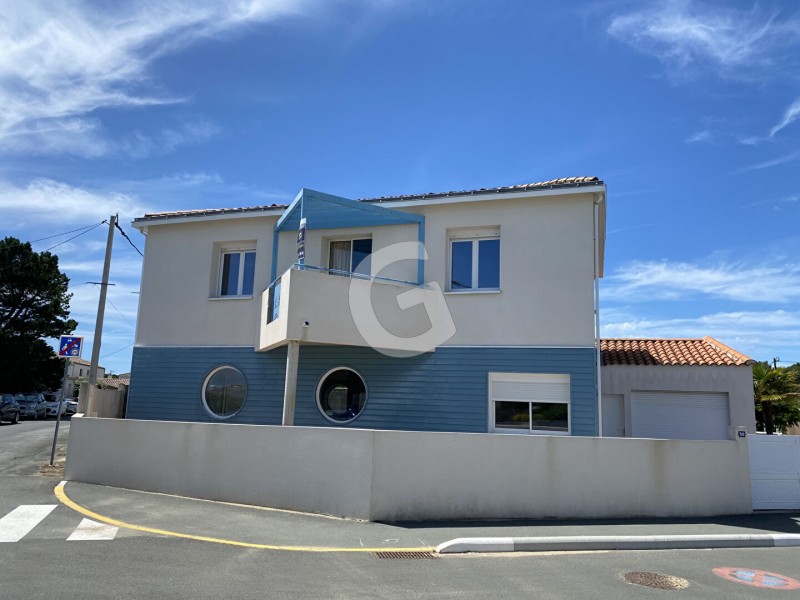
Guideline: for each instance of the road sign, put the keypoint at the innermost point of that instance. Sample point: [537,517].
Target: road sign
[70,346]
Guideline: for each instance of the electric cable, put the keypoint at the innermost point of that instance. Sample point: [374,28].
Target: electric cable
[76,236]
[125,235]
[119,350]
[66,232]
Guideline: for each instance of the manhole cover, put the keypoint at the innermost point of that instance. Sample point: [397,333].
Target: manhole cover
[422,555]
[656,580]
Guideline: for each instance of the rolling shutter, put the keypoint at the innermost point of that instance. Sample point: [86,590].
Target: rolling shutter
[680,415]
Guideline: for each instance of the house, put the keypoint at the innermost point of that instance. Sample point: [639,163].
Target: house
[468,311]
[675,389]
[113,383]
[77,371]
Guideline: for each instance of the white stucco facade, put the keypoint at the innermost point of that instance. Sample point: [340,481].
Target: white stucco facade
[546,272]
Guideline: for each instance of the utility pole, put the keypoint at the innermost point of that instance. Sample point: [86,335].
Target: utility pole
[101,305]
[775,362]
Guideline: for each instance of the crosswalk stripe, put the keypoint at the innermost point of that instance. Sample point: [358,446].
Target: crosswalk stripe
[20,521]
[92,530]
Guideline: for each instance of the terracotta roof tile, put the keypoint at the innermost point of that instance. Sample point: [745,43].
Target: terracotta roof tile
[563,182]
[113,382]
[672,352]
[524,187]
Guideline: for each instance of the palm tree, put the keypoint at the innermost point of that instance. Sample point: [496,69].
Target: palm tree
[771,385]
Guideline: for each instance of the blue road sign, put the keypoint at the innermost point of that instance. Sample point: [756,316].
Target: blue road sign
[70,346]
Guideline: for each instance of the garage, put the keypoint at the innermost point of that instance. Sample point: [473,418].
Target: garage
[686,389]
[680,415]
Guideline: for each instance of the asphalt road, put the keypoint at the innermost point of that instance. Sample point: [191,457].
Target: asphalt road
[135,564]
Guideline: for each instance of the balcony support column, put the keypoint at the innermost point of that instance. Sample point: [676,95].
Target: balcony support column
[290,385]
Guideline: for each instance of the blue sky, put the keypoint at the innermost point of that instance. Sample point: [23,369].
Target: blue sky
[689,111]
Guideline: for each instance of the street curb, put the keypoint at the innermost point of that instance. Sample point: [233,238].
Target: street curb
[610,542]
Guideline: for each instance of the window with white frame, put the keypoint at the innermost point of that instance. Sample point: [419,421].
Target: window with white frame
[350,256]
[237,269]
[474,259]
[533,403]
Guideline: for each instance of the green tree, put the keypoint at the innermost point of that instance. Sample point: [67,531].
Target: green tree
[34,305]
[776,396]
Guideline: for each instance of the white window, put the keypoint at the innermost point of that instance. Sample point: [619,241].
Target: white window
[350,256]
[533,403]
[237,269]
[474,260]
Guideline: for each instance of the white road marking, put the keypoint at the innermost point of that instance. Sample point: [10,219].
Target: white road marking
[20,521]
[92,530]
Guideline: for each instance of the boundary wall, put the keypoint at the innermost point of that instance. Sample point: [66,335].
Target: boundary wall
[400,475]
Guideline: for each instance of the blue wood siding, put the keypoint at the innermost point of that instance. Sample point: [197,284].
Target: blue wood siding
[446,390]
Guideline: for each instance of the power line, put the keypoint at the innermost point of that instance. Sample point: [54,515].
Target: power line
[66,232]
[120,350]
[119,313]
[125,235]
[76,236]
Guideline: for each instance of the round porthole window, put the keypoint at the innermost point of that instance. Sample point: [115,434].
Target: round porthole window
[224,392]
[341,395]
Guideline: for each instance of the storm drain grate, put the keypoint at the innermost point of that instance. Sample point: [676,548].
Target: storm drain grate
[414,555]
[656,580]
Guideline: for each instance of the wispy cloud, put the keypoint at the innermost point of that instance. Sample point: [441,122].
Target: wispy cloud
[60,62]
[756,333]
[773,162]
[688,37]
[49,201]
[700,136]
[668,280]
[790,116]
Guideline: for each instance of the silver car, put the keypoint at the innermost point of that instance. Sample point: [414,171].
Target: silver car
[52,405]
[32,406]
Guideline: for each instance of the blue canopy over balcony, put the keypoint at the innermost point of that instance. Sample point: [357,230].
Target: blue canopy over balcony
[326,211]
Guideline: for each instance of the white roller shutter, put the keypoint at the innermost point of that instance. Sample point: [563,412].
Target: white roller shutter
[680,415]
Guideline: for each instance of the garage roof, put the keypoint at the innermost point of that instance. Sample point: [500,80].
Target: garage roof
[672,352]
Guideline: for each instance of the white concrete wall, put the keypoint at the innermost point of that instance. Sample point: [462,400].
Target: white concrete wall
[395,475]
[177,306]
[322,300]
[546,271]
[737,382]
[546,268]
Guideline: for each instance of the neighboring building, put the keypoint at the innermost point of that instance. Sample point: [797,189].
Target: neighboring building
[113,383]
[675,389]
[78,371]
[481,302]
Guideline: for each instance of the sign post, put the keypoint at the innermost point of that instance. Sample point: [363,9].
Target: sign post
[68,346]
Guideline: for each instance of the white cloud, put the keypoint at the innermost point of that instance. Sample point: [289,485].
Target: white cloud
[774,162]
[687,36]
[61,61]
[46,200]
[790,116]
[759,334]
[668,280]
[700,136]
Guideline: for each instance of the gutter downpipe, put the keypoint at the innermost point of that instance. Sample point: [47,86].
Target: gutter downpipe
[597,312]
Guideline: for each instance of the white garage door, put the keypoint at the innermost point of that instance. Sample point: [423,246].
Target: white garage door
[679,415]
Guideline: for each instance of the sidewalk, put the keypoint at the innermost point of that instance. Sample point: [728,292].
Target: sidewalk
[285,530]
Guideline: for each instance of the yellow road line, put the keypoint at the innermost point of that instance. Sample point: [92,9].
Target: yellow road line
[67,501]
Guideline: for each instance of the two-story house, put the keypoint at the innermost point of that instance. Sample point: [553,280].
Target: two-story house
[470,311]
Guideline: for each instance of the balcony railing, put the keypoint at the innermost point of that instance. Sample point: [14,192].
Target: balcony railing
[316,305]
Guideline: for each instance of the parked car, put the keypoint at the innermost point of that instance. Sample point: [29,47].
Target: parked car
[72,406]
[52,405]
[32,405]
[9,409]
